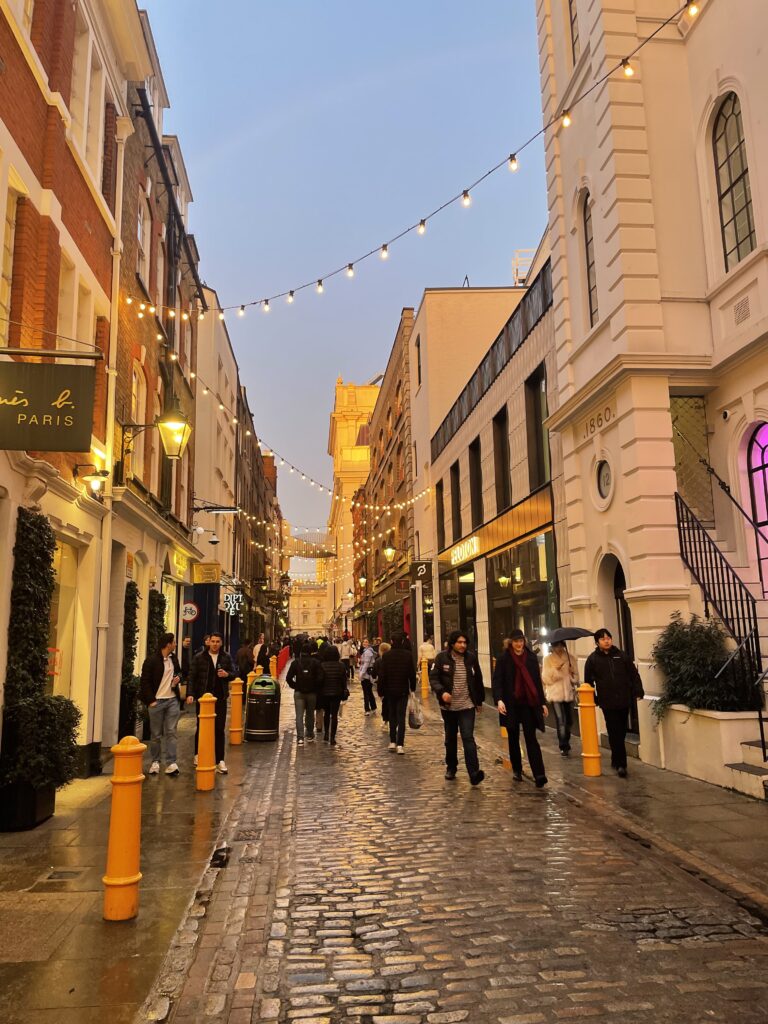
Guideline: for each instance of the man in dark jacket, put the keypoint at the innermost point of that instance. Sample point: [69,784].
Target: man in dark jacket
[212,671]
[617,684]
[519,696]
[244,659]
[457,682]
[304,678]
[333,688]
[160,678]
[396,679]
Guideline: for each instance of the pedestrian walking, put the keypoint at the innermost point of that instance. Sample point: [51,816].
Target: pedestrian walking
[212,671]
[244,660]
[397,678]
[304,678]
[457,682]
[367,659]
[375,667]
[427,651]
[333,688]
[560,676]
[519,696]
[617,685]
[345,654]
[160,679]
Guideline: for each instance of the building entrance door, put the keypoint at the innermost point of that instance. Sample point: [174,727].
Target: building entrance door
[625,640]
[757,465]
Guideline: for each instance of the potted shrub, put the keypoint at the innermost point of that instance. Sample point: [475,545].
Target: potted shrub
[704,718]
[129,683]
[39,739]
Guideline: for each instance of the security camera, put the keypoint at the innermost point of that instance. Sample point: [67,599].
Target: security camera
[199,530]
[726,414]
[214,539]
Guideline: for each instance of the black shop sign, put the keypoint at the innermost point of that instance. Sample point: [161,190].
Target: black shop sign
[46,407]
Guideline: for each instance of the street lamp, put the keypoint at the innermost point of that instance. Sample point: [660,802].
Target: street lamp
[389,553]
[349,595]
[362,581]
[173,426]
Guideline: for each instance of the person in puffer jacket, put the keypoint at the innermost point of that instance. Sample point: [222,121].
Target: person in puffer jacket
[304,678]
[333,688]
[560,676]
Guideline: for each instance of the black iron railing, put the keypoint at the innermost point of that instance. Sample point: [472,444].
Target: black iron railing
[725,592]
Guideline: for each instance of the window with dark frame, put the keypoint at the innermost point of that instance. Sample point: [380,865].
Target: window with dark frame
[456,501]
[589,253]
[501,459]
[476,484]
[418,361]
[440,514]
[737,222]
[574,19]
[537,434]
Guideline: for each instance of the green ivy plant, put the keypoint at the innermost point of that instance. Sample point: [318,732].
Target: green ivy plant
[690,654]
[39,730]
[155,620]
[129,683]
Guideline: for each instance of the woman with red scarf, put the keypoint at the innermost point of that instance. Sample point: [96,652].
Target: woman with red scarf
[519,696]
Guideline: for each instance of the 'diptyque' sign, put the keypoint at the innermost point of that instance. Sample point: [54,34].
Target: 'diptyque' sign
[46,407]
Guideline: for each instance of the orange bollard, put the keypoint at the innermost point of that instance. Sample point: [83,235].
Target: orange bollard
[273,666]
[206,747]
[236,712]
[121,881]
[425,680]
[590,743]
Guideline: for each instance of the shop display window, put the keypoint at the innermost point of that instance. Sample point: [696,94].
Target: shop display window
[522,590]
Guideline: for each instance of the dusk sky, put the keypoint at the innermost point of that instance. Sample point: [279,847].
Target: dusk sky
[314,132]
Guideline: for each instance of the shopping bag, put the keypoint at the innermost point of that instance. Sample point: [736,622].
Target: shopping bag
[415,712]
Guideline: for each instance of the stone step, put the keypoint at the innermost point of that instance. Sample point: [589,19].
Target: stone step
[752,752]
[749,779]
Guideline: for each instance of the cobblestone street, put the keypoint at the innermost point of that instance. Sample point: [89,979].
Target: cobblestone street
[364,887]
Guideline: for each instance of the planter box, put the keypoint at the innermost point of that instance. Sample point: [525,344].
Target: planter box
[23,806]
[701,743]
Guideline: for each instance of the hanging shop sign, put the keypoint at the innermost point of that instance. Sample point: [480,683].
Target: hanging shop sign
[189,611]
[233,602]
[46,407]
[206,572]
[402,586]
[421,572]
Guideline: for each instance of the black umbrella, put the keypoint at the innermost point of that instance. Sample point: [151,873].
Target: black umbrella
[567,633]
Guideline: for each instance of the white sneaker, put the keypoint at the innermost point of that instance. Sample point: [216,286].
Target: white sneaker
[194,761]
[367,713]
[154,768]
[300,743]
[391,746]
[172,769]
[401,750]
[222,767]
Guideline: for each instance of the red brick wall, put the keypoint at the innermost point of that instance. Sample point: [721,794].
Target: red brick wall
[109,167]
[35,280]
[53,36]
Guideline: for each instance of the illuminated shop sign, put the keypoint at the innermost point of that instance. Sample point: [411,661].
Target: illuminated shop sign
[466,549]
[46,407]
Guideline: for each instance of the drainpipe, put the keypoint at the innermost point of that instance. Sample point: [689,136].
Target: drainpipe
[124,130]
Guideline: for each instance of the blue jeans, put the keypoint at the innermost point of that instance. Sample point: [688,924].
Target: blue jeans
[455,722]
[563,718]
[163,719]
[305,704]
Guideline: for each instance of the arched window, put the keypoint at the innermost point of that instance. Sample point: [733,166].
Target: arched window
[138,415]
[398,400]
[757,463]
[389,423]
[400,465]
[156,452]
[402,539]
[733,192]
[589,258]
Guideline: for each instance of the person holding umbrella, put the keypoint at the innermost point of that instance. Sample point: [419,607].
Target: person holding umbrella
[560,676]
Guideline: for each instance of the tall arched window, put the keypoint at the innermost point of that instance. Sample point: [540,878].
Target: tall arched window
[757,463]
[733,192]
[138,415]
[589,257]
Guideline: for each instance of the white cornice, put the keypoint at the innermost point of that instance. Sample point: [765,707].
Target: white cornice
[129,506]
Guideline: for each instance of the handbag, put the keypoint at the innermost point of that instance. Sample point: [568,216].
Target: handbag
[415,712]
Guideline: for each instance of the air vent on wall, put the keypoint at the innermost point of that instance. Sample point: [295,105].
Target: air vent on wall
[741,311]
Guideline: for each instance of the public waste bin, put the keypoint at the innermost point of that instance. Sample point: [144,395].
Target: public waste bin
[262,716]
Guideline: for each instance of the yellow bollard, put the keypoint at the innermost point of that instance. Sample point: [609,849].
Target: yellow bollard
[425,680]
[236,712]
[590,743]
[206,746]
[273,666]
[121,881]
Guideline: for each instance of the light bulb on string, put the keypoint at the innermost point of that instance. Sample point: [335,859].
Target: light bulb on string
[221,315]
[185,316]
[241,311]
[384,252]
[566,119]
[289,297]
[142,306]
[627,68]
[265,305]
[422,227]
[320,288]
[172,313]
[693,9]
[159,337]
[350,270]
[140,315]
[513,163]
[466,199]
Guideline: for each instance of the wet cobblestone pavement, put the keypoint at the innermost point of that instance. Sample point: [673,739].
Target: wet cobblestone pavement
[363,887]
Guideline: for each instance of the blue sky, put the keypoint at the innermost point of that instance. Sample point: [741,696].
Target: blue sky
[314,132]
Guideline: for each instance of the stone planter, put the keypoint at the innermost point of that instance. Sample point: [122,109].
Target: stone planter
[23,806]
[702,743]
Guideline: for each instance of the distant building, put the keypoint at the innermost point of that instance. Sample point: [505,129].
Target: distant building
[307,608]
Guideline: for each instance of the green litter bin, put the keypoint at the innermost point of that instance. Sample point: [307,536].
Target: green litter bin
[262,711]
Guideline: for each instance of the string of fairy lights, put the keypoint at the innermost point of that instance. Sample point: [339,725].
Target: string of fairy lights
[464,197]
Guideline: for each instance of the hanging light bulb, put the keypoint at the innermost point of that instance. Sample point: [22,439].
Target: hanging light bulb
[693,9]
[265,305]
[627,68]
[128,300]
[205,391]
[185,316]
[384,252]
[422,227]
[566,119]
[513,164]
[142,306]
[350,270]
[221,315]
[201,315]
[174,357]
[241,311]
[171,313]
[192,374]
[320,288]
[466,199]
[159,336]
[140,315]
[152,309]
[290,297]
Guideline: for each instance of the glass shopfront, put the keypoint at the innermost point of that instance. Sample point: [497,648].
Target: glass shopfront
[522,590]
[457,603]
[62,625]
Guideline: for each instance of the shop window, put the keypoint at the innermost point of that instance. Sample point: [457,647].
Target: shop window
[65,313]
[143,233]
[63,616]
[456,501]
[138,416]
[589,257]
[737,221]
[522,590]
[501,459]
[6,272]
[160,276]
[537,433]
[476,483]
[400,465]
[440,514]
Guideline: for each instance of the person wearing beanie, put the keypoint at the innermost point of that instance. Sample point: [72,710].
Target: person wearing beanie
[519,697]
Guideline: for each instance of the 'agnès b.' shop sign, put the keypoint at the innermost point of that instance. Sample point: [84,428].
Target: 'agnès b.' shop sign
[46,407]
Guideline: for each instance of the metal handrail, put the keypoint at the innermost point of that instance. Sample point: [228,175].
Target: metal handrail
[735,653]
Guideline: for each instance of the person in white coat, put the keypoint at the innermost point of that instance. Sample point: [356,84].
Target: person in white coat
[560,676]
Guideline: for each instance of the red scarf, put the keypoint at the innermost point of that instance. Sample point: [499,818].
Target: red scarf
[526,691]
